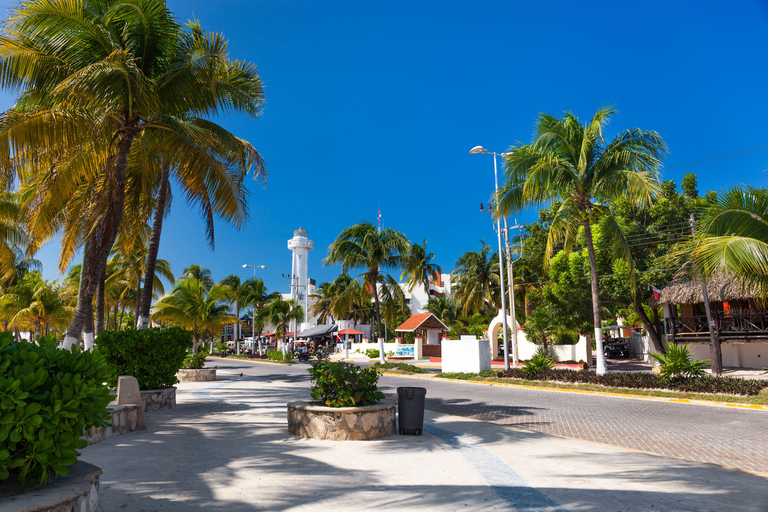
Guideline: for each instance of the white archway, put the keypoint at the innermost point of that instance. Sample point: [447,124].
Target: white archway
[493,333]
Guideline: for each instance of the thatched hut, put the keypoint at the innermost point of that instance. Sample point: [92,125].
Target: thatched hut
[739,316]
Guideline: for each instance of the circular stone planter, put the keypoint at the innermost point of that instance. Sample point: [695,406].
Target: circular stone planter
[307,419]
[158,399]
[199,375]
[78,491]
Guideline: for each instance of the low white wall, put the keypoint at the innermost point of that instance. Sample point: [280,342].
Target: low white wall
[362,347]
[578,352]
[736,355]
[466,355]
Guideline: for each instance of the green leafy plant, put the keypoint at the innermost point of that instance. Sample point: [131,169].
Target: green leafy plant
[194,361]
[153,356]
[678,362]
[539,362]
[372,353]
[344,384]
[47,397]
[275,355]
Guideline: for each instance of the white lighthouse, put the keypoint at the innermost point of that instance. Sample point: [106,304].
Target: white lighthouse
[300,245]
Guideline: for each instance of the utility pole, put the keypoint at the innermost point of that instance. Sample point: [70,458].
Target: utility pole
[714,347]
[510,273]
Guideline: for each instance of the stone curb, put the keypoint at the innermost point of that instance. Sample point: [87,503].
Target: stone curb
[753,407]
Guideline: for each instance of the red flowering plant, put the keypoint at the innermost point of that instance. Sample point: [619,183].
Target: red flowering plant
[344,384]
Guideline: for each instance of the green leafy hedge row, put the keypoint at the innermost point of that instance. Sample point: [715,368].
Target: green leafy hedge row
[344,384]
[153,356]
[636,380]
[47,397]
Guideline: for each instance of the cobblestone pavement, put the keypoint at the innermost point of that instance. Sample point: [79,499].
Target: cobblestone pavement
[716,435]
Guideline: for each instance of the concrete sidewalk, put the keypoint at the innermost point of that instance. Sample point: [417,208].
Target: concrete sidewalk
[226,447]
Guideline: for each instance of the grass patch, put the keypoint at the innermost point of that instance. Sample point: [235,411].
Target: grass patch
[494,376]
[400,367]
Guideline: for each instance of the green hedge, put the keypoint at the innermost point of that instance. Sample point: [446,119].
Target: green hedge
[47,397]
[153,356]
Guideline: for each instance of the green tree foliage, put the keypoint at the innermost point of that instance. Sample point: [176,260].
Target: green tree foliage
[574,163]
[344,384]
[48,396]
[476,287]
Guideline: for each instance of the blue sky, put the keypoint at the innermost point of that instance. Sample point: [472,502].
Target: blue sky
[374,102]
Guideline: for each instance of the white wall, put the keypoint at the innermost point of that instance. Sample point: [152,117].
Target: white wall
[466,355]
[738,355]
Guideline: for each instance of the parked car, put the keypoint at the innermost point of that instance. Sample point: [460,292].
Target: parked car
[613,347]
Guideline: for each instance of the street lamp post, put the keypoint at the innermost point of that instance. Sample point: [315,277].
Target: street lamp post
[253,314]
[482,151]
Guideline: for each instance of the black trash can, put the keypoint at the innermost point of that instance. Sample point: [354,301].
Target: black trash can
[410,410]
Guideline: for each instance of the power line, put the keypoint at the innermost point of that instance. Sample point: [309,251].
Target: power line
[717,158]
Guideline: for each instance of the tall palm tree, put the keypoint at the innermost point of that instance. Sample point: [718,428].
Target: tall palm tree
[199,273]
[363,246]
[444,308]
[122,69]
[732,236]
[344,298]
[194,306]
[418,267]
[574,163]
[233,281]
[36,303]
[280,313]
[477,280]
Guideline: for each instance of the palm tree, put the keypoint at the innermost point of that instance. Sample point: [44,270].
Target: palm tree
[194,306]
[363,246]
[573,163]
[732,236]
[233,281]
[280,313]
[477,280]
[344,298]
[36,303]
[418,267]
[122,70]
[254,294]
[199,273]
[444,308]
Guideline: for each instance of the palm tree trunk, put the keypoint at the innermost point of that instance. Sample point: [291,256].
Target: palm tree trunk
[88,328]
[103,236]
[601,367]
[378,320]
[120,323]
[37,330]
[650,328]
[154,246]
[138,302]
[100,302]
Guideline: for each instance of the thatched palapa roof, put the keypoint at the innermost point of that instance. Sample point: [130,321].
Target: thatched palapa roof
[720,288]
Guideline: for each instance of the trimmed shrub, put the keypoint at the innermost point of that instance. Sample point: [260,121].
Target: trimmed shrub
[47,397]
[344,384]
[193,361]
[637,380]
[372,353]
[153,356]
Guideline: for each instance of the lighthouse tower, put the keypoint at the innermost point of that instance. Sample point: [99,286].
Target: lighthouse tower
[300,245]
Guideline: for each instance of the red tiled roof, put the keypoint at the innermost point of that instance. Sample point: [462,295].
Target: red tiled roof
[418,320]
[348,331]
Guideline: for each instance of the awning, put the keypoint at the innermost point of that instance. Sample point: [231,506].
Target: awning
[610,327]
[318,330]
[351,332]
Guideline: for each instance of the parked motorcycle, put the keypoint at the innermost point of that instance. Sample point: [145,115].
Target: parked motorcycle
[301,356]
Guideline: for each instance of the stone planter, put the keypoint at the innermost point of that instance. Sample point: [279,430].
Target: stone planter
[78,492]
[124,419]
[307,419]
[199,375]
[158,399]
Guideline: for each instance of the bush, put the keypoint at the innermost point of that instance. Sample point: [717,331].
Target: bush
[47,397]
[539,362]
[372,353]
[153,356]
[194,361]
[344,384]
[678,362]
[277,355]
[637,380]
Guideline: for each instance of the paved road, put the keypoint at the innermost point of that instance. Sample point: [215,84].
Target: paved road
[727,437]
